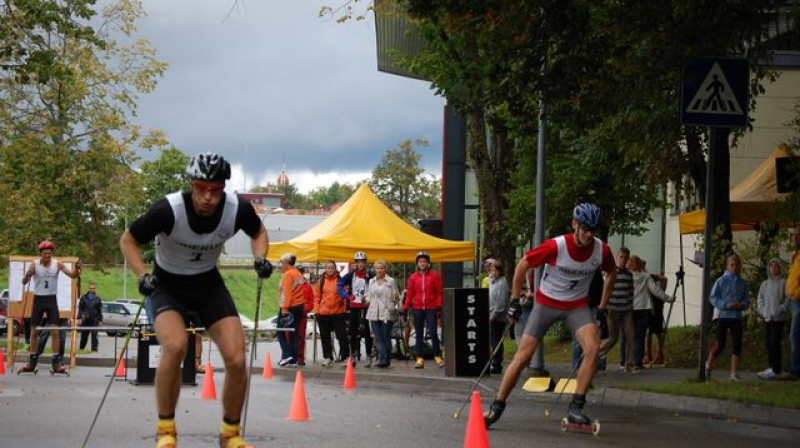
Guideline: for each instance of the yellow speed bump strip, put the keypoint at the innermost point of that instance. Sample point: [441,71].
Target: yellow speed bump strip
[537,385]
[566,386]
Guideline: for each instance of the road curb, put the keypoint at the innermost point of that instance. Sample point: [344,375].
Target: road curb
[714,408]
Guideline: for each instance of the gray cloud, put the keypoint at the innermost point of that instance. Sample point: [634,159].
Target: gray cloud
[285,84]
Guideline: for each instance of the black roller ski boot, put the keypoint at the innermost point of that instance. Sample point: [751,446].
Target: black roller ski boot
[31,366]
[58,367]
[576,419]
[495,411]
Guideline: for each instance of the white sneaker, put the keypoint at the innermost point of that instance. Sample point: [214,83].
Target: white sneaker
[285,361]
[735,377]
[767,374]
[327,362]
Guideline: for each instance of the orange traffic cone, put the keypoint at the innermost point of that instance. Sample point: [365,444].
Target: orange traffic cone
[209,388]
[298,410]
[121,371]
[267,372]
[349,375]
[476,436]
[2,363]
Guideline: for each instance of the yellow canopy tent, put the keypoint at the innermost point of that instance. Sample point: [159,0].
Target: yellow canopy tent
[364,223]
[753,200]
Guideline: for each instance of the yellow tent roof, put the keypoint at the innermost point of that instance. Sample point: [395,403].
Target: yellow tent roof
[752,200]
[364,223]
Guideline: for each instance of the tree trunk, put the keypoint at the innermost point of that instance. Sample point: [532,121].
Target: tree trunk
[493,186]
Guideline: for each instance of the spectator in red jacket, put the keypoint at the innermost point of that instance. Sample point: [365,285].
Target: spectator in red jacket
[424,298]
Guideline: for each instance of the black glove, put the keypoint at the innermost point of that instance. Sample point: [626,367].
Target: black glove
[263,267]
[147,284]
[514,309]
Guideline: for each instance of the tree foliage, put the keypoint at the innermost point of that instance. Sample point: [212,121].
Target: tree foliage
[402,184]
[324,197]
[66,142]
[609,75]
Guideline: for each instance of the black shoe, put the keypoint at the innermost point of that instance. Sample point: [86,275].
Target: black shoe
[575,413]
[494,413]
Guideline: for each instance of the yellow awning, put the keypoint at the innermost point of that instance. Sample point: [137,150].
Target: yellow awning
[753,200]
[364,223]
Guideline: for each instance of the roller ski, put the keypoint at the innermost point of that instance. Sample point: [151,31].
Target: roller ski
[31,366]
[59,369]
[577,420]
[27,368]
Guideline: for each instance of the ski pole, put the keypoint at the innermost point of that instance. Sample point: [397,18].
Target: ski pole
[483,372]
[558,397]
[252,353]
[113,372]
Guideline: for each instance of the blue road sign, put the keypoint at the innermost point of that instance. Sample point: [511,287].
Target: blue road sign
[714,92]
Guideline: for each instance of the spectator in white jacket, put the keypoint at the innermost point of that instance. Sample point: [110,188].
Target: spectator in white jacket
[645,289]
[772,306]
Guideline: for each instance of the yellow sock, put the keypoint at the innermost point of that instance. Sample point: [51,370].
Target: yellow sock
[165,426]
[228,429]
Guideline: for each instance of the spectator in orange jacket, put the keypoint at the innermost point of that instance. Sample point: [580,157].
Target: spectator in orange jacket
[292,302]
[424,298]
[331,315]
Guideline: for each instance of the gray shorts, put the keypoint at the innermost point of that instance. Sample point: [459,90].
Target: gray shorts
[543,317]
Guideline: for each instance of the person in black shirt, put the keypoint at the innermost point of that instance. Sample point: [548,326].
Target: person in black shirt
[190,229]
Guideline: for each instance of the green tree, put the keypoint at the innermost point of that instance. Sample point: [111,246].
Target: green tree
[163,175]
[67,143]
[609,74]
[25,29]
[403,185]
[324,197]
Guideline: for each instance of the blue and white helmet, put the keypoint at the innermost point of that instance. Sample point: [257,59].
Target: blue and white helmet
[208,166]
[587,214]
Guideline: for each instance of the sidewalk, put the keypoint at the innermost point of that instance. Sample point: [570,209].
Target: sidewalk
[606,390]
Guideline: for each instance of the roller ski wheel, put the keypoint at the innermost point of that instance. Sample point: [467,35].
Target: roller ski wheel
[60,370]
[592,427]
[28,369]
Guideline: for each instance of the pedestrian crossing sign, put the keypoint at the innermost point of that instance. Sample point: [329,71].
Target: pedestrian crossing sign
[714,92]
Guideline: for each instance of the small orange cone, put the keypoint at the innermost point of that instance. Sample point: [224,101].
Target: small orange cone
[121,371]
[2,363]
[476,436]
[349,375]
[267,372]
[209,388]
[298,410]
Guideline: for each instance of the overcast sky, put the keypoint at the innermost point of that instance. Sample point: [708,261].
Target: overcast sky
[275,82]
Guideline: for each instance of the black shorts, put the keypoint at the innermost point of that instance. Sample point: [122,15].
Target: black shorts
[209,300]
[657,318]
[42,305]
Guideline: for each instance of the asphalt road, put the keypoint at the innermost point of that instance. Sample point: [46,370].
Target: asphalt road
[46,411]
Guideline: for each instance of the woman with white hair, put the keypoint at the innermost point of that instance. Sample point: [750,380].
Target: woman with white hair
[383,299]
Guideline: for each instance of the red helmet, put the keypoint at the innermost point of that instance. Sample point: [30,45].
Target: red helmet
[46,244]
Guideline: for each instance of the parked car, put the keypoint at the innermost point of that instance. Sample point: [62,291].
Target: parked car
[118,315]
[133,307]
